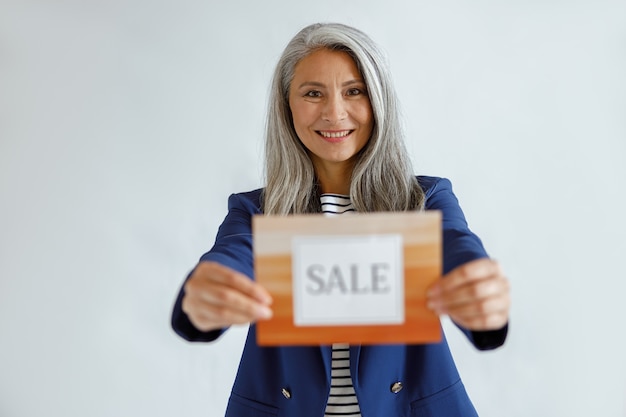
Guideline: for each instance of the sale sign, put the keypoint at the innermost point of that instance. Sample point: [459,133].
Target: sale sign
[348,279]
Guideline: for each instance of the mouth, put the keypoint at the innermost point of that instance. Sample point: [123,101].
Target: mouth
[334,135]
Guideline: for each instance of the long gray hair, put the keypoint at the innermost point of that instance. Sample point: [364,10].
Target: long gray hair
[382,179]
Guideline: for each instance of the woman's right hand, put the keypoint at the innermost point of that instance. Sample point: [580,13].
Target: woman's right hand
[217,296]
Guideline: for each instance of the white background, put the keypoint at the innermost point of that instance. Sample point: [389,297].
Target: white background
[124,126]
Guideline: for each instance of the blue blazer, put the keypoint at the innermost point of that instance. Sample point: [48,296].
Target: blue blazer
[295,381]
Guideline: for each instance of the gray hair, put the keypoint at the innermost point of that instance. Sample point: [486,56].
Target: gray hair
[382,179]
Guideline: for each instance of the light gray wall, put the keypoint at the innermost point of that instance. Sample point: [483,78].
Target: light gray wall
[124,125]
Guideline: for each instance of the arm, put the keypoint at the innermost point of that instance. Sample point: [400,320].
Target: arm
[219,291]
[473,290]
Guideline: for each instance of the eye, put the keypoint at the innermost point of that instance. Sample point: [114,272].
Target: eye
[313,94]
[355,92]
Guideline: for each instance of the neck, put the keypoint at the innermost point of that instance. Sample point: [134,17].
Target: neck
[334,178]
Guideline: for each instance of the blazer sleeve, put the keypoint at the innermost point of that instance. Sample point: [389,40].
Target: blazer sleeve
[232,248]
[460,245]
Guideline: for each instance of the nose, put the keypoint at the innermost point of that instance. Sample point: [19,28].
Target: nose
[334,109]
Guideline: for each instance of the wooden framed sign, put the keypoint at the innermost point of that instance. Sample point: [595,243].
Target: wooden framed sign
[358,278]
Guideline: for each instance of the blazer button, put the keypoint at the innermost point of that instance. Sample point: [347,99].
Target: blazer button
[396,387]
[286,393]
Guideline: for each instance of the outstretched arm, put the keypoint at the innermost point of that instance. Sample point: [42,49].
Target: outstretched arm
[473,290]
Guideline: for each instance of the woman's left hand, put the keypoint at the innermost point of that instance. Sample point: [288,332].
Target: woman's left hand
[475,295]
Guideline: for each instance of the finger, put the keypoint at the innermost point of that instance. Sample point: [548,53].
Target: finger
[482,307]
[484,314]
[468,272]
[482,322]
[208,314]
[472,292]
[234,279]
[228,298]
[210,317]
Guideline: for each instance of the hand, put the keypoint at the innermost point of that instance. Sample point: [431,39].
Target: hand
[475,295]
[217,296]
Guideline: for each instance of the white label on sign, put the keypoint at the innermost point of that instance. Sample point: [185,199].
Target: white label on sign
[345,280]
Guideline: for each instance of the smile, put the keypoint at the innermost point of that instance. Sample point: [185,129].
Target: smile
[334,134]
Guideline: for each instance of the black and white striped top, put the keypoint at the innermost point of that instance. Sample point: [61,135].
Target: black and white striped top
[342,399]
[336,204]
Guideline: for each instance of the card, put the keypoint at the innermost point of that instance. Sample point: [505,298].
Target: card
[358,278]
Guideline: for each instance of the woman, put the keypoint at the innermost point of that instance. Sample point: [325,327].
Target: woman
[334,140]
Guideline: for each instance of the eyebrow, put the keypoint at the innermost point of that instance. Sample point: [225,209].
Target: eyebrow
[318,84]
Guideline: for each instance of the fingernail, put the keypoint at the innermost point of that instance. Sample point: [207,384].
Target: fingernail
[264,298]
[265,313]
[436,307]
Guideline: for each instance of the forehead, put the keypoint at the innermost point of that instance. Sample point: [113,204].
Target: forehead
[327,63]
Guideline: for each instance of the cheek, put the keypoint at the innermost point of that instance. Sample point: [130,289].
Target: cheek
[300,124]
[298,115]
[365,115]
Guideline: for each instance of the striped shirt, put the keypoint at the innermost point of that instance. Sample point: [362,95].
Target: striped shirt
[342,399]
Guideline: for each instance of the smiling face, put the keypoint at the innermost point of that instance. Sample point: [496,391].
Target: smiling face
[331,110]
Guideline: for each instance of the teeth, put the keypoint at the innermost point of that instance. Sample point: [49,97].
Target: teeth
[335,134]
